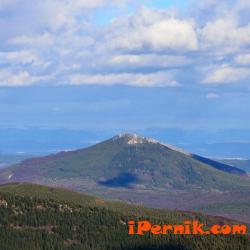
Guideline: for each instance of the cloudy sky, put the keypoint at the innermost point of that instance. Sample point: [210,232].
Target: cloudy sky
[121,64]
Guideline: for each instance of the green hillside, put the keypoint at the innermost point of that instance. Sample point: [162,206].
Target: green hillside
[141,171]
[124,161]
[39,217]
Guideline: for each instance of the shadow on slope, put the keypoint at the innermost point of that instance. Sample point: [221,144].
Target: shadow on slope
[220,166]
[121,180]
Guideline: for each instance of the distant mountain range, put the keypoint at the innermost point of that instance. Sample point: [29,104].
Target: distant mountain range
[140,170]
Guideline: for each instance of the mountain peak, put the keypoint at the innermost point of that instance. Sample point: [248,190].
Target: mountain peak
[134,139]
[125,160]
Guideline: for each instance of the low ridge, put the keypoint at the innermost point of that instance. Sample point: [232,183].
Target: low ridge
[35,216]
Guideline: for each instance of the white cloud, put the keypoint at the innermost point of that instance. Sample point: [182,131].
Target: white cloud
[140,80]
[226,74]
[22,57]
[45,39]
[21,78]
[53,14]
[214,9]
[60,37]
[148,60]
[212,96]
[226,34]
[243,59]
[86,4]
[4,3]
[242,4]
[153,31]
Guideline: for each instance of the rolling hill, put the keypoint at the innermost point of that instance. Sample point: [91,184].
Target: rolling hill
[39,217]
[139,170]
[128,160]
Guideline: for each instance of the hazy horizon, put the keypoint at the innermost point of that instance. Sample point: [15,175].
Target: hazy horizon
[160,68]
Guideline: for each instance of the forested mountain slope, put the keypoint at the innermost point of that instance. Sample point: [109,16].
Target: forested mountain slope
[39,217]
